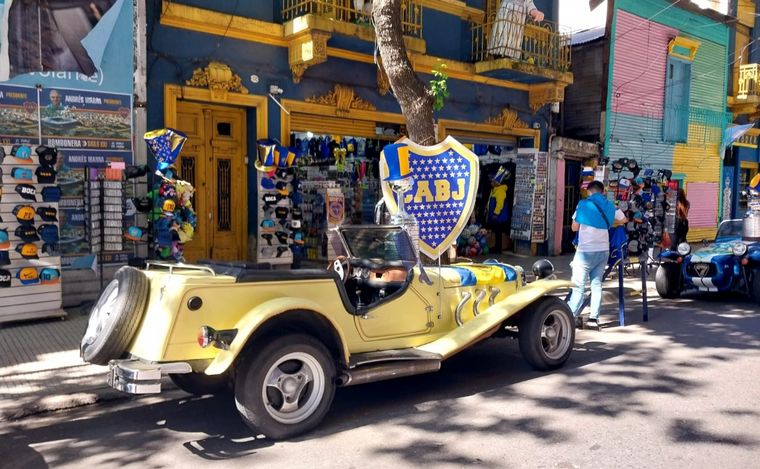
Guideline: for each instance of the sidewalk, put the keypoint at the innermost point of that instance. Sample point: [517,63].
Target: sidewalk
[41,371]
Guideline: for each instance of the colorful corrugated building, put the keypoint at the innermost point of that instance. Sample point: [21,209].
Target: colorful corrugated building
[662,97]
[742,162]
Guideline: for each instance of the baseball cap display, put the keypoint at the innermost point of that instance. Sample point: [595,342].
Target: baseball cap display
[22,174]
[47,213]
[48,155]
[28,276]
[270,199]
[49,276]
[27,250]
[24,214]
[5,258]
[267,223]
[295,224]
[51,194]
[5,278]
[296,213]
[27,191]
[134,233]
[281,212]
[45,175]
[21,152]
[48,233]
[5,242]
[267,183]
[27,233]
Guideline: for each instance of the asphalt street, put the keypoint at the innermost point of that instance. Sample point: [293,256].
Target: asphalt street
[679,391]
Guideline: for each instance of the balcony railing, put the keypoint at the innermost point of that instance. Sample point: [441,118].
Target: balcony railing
[353,11]
[748,85]
[539,44]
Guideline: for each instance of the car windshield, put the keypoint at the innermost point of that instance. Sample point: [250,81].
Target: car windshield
[377,242]
[730,229]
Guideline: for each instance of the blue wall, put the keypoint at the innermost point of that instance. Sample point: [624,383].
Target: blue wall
[175,53]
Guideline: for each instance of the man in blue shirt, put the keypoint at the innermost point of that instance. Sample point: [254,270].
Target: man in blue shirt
[593,218]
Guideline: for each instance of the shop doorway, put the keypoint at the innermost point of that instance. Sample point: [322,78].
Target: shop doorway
[573,171]
[213,161]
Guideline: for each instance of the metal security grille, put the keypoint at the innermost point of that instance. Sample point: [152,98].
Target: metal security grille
[224,195]
[188,169]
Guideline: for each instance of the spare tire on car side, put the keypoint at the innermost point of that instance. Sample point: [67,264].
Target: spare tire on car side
[115,317]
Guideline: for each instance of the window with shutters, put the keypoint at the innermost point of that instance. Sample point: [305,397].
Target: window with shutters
[677,91]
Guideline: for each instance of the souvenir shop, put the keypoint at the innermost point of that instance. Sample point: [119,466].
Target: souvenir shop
[503,213]
[334,179]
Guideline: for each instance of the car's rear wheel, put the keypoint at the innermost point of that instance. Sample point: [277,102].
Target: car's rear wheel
[546,334]
[200,384]
[286,387]
[668,280]
[115,317]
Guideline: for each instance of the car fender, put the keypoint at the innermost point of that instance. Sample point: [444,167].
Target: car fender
[484,324]
[670,255]
[754,258]
[256,317]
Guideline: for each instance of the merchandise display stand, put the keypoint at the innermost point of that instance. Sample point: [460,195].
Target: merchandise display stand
[275,217]
[30,263]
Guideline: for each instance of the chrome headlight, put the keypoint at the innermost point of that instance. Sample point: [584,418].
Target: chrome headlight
[684,249]
[739,249]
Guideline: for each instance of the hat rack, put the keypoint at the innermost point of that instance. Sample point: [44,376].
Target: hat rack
[30,275]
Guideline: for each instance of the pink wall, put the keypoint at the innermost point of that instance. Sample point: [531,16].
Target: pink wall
[641,51]
[703,199]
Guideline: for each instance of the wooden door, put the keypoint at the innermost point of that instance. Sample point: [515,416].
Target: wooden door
[213,161]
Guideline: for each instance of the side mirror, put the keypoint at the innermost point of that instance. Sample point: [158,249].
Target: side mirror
[705,243]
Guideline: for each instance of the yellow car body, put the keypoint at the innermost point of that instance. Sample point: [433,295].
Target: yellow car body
[376,314]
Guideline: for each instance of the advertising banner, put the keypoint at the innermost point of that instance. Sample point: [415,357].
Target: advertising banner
[86,120]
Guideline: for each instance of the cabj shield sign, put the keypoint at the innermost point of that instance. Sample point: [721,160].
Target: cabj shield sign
[443,193]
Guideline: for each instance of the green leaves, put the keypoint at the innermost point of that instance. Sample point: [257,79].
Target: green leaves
[438,86]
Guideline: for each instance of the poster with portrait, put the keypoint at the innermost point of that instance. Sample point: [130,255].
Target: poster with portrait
[87,120]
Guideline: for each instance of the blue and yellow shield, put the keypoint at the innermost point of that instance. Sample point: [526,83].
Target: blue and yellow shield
[443,195]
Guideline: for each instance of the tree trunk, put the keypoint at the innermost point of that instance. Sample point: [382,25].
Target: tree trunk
[410,92]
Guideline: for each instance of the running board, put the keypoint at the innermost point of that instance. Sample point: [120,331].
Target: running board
[382,371]
[404,354]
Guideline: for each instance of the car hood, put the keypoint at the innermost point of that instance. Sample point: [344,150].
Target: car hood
[708,253]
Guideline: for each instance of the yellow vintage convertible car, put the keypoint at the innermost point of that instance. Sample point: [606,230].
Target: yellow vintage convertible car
[285,339]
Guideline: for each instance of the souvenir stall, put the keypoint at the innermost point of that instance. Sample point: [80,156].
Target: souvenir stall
[172,220]
[338,180]
[30,262]
[648,198]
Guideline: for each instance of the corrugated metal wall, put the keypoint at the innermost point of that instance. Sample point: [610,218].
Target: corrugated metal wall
[708,76]
[637,98]
[638,78]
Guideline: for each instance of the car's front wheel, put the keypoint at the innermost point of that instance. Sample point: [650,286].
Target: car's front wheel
[546,334]
[668,280]
[756,284]
[286,387]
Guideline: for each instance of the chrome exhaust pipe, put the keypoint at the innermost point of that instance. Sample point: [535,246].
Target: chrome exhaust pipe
[480,295]
[384,371]
[458,313]
[494,293]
